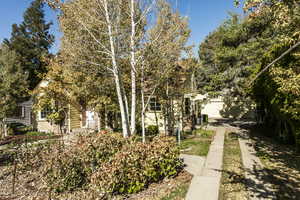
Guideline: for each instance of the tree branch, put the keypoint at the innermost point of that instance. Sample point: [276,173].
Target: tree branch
[276,60]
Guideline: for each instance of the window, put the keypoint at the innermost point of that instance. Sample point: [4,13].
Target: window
[187,106]
[44,113]
[154,105]
[19,112]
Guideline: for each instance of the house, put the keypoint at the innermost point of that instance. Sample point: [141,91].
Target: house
[76,120]
[196,105]
[203,105]
[23,114]
[154,115]
[155,112]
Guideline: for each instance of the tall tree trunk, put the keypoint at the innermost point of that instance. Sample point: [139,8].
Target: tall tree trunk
[165,125]
[99,121]
[126,105]
[105,118]
[143,105]
[5,128]
[117,75]
[2,132]
[168,110]
[143,118]
[133,70]
[123,110]
[156,118]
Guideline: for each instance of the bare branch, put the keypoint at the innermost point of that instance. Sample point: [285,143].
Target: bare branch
[146,12]
[93,36]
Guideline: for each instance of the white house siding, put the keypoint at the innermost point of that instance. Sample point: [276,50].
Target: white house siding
[157,118]
[45,126]
[150,119]
[214,108]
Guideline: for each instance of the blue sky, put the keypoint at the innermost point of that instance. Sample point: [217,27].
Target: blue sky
[204,15]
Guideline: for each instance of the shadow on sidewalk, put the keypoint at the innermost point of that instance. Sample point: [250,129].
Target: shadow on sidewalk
[281,170]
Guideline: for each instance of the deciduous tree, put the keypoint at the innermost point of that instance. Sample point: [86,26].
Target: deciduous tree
[13,84]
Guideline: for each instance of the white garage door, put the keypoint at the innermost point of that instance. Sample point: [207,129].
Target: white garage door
[213,108]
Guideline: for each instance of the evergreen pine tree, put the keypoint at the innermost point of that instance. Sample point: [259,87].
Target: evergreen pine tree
[13,84]
[31,41]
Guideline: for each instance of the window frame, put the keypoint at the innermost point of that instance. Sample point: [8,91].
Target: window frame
[154,105]
[19,112]
[45,111]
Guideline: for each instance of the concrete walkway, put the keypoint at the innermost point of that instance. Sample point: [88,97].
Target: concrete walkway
[254,170]
[205,185]
[194,164]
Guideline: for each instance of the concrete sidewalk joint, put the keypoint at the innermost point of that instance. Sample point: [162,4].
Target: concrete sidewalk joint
[206,185]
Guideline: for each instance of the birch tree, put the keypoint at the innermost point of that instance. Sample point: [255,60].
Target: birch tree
[164,46]
[106,35]
[101,28]
[133,66]
[140,10]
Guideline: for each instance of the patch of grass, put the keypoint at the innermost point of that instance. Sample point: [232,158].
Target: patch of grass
[198,144]
[233,180]
[178,193]
[204,133]
[195,146]
[36,133]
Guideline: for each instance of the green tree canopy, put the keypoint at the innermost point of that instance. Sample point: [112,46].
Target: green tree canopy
[31,40]
[236,52]
[13,84]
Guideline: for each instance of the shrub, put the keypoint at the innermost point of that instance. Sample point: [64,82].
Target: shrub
[112,164]
[71,169]
[65,171]
[19,128]
[97,149]
[138,165]
[167,156]
[152,130]
[37,133]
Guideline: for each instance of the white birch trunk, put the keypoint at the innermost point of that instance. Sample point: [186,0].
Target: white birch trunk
[99,121]
[5,128]
[124,114]
[126,105]
[121,100]
[105,119]
[143,105]
[2,132]
[133,70]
